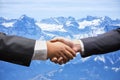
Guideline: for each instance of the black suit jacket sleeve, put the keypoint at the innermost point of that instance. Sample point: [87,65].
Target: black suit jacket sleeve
[15,49]
[104,43]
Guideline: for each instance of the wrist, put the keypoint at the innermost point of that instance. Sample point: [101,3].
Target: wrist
[77,45]
[40,50]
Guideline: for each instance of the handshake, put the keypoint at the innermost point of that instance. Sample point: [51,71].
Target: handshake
[61,50]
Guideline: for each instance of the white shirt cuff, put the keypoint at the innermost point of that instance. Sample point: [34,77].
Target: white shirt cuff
[40,50]
[82,47]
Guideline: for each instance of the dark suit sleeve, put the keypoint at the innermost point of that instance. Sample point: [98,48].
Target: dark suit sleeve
[15,49]
[101,44]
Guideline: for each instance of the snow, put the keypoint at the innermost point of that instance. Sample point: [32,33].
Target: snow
[51,73]
[85,23]
[116,69]
[9,24]
[97,31]
[55,71]
[115,24]
[40,77]
[68,23]
[85,59]
[56,20]
[51,27]
[105,67]
[60,70]
[100,58]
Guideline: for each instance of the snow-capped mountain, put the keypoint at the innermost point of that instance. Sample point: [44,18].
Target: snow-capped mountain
[97,67]
[24,26]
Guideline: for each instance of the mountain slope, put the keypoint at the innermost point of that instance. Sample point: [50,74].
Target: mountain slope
[97,67]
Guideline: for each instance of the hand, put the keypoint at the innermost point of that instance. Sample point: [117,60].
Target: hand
[75,45]
[60,51]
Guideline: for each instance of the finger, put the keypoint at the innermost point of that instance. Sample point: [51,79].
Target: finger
[68,55]
[60,60]
[63,54]
[71,51]
[54,59]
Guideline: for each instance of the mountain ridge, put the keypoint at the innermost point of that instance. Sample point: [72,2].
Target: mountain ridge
[89,68]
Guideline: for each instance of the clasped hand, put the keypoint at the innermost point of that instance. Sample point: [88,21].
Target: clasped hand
[61,50]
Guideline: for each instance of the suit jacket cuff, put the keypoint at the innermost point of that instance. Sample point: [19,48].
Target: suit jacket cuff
[40,50]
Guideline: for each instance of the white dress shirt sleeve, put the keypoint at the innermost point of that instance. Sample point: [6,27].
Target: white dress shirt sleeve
[40,50]
[79,44]
[82,46]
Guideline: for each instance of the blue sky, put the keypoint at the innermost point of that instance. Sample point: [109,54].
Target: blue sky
[40,9]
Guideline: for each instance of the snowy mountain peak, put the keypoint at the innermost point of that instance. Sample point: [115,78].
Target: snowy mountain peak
[26,19]
[49,21]
[89,68]
[89,18]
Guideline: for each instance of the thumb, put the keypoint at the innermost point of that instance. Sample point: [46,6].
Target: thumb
[60,39]
[54,40]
